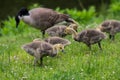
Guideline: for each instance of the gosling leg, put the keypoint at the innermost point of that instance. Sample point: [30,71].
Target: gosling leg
[37,56]
[41,61]
[43,34]
[99,44]
[89,46]
[112,37]
[35,61]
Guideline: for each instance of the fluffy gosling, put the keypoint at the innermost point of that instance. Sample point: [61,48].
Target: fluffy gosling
[111,27]
[58,30]
[88,37]
[55,40]
[40,49]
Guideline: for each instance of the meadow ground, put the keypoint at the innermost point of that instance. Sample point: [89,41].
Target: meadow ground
[78,63]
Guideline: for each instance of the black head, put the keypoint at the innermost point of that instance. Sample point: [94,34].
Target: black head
[22,12]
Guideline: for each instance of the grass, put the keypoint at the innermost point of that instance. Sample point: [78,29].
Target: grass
[79,63]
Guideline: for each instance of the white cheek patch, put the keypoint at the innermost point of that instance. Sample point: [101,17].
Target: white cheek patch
[20,17]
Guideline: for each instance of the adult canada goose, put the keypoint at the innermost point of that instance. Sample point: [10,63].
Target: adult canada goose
[41,18]
[58,30]
[55,40]
[110,26]
[88,37]
[40,49]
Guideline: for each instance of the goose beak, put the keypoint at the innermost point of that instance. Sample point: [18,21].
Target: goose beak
[17,21]
[28,13]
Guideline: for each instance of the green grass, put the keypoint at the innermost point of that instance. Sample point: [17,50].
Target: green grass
[79,63]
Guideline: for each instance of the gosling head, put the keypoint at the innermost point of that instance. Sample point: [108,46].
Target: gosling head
[22,12]
[68,30]
[58,47]
[74,26]
[106,26]
[99,28]
[29,50]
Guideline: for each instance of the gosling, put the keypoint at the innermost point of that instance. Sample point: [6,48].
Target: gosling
[58,30]
[88,37]
[111,27]
[40,49]
[55,40]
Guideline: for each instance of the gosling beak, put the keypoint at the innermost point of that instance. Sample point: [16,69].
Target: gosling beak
[63,51]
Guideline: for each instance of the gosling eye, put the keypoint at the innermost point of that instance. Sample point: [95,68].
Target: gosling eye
[65,31]
[60,47]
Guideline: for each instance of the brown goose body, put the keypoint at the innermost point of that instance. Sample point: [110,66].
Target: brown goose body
[41,18]
[88,37]
[44,18]
[110,26]
[40,49]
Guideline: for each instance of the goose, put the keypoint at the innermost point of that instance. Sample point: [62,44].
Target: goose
[58,30]
[55,40]
[41,18]
[111,27]
[40,49]
[89,37]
